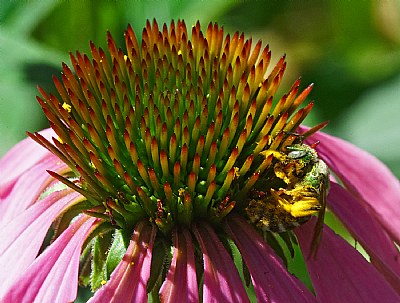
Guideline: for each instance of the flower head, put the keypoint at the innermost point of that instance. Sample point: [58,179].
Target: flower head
[166,158]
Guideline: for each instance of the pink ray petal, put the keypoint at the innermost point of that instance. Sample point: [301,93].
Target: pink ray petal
[181,280]
[339,273]
[20,158]
[53,276]
[129,279]
[272,282]
[365,176]
[21,239]
[29,186]
[365,228]
[221,278]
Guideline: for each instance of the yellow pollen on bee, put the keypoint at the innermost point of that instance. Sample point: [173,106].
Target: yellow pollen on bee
[67,107]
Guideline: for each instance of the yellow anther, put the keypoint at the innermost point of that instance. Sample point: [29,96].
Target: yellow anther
[181,191]
[67,107]
[236,172]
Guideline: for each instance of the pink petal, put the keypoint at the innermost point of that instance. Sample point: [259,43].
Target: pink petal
[366,177]
[272,282]
[129,279]
[181,280]
[21,239]
[53,276]
[339,273]
[20,158]
[29,186]
[365,228]
[221,278]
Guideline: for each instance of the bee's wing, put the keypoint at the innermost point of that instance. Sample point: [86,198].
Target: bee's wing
[320,222]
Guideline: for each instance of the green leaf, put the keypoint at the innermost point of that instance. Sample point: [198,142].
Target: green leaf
[158,260]
[100,247]
[117,251]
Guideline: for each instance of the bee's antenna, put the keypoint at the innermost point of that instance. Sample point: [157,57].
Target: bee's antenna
[298,136]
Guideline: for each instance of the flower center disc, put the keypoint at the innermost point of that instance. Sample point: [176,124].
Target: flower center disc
[172,128]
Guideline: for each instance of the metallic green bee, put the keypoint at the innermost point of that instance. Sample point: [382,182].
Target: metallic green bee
[303,183]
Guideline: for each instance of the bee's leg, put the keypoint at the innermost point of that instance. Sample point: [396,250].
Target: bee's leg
[274,153]
[320,222]
[285,204]
[285,172]
[304,207]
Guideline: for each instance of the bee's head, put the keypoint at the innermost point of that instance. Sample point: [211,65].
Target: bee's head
[301,152]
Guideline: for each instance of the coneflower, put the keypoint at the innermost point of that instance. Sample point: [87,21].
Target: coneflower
[167,161]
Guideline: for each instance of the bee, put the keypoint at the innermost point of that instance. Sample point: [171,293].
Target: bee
[296,191]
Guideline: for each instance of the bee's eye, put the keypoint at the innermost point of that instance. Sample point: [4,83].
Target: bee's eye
[297,154]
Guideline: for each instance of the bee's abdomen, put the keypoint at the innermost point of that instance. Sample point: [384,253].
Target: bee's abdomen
[271,217]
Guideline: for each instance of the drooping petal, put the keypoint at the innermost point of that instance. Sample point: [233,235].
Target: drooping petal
[29,186]
[339,273]
[365,176]
[53,276]
[272,282]
[365,228]
[221,279]
[181,280]
[21,239]
[20,158]
[129,279]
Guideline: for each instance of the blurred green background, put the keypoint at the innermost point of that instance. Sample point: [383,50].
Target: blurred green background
[349,49]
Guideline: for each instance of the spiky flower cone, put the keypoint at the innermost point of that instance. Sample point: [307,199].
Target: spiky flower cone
[174,130]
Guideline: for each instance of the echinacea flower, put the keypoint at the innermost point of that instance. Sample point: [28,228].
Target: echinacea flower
[166,168]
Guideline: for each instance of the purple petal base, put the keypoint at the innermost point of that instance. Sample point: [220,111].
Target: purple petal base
[221,278]
[367,230]
[339,273]
[129,279]
[272,282]
[20,158]
[21,239]
[181,280]
[53,276]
